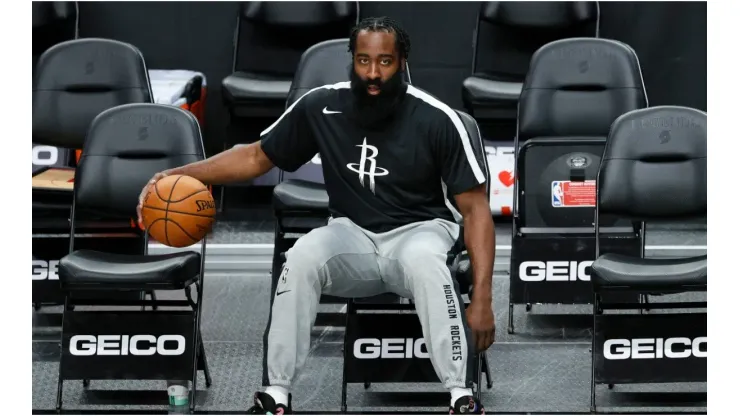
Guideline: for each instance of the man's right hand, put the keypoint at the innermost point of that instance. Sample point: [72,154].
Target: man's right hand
[145,191]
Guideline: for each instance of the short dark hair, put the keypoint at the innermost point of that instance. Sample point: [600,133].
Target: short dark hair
[384,24]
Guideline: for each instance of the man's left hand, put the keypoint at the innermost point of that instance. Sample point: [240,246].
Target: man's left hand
[482,324]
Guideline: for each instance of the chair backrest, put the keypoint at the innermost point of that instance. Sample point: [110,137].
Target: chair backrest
[574,91]
[508,33]
[578,87]
[272,36]
[323,63]
[327,62]
[654,165]
[77,80]
[125,147]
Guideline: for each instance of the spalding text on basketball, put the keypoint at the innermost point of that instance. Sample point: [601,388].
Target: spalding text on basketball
[205,204]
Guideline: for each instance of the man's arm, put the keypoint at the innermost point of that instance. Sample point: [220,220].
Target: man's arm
[288,143]
[466,180]
[480,241]
[238,164]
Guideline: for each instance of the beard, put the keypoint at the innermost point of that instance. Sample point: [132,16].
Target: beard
[375,112]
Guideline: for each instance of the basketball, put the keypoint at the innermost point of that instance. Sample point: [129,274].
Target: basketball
[178,211]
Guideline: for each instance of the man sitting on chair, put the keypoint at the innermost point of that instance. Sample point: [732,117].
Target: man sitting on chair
[391,153]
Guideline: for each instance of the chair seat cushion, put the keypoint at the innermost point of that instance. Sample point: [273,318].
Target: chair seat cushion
[297,194]
[483,91]
[94,270]
[616,271]
[246,87]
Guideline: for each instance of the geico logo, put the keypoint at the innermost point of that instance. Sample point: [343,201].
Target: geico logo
[641,348]
[370,348]
[555,271]
[44,155]
[87,345]
[45,270]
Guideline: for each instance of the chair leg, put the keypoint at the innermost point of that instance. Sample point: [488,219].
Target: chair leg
[154,300]
[197,344]
[596,310]
[479,374]
[194,389]
[204,361]
[344,358]
[511,318]
[60,381]
[153,297]
[60,387]
[487,370]
[645,300]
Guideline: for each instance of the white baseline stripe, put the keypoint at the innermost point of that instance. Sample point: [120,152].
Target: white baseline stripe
[472,161]
[498,247]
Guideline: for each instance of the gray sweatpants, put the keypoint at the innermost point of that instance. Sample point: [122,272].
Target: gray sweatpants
[342,259]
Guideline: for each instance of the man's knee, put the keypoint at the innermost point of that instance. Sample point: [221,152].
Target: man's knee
[314,248]
[309,255]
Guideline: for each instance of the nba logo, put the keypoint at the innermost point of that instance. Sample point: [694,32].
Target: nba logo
[557,194]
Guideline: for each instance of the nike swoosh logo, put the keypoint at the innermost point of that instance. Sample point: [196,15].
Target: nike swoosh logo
[327,111]
[280,293]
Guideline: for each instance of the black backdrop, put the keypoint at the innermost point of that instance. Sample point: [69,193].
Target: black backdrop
[670,39]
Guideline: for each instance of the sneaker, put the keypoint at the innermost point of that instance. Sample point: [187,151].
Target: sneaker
[264,404]
[467,405]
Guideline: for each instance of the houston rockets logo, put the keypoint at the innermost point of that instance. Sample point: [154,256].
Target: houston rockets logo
[368,165]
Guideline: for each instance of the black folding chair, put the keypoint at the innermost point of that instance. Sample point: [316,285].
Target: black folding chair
[74,81]
[507,34]
[574,90]
[125,147]
[654,169]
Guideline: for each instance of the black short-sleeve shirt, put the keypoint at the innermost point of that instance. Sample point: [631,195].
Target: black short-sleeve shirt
[407,172]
